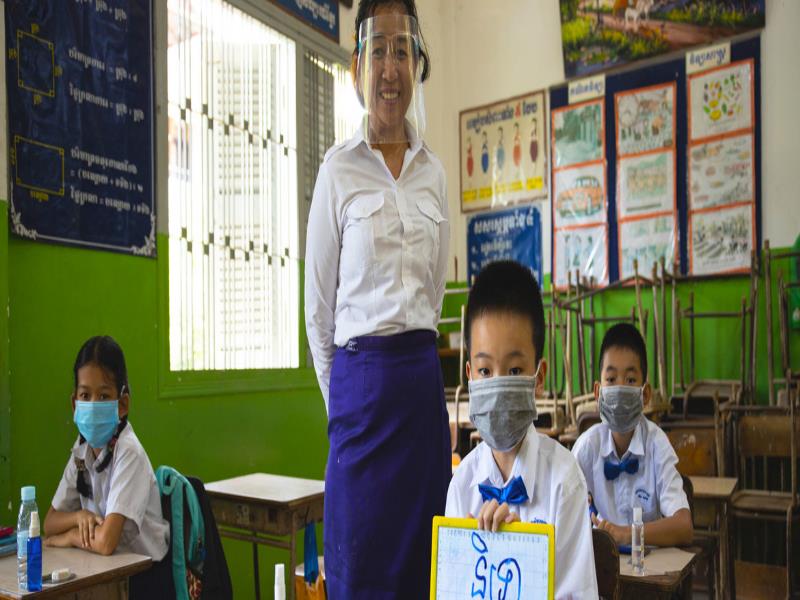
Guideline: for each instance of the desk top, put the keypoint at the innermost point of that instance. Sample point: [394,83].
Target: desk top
[714,488]
[665,568]
[262,488]
[89,569]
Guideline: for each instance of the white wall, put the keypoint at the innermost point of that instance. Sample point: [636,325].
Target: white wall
[483,51]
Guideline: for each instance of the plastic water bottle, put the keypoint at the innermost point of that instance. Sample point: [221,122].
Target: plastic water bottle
[637,541]
[34,554]
[23,525]
[280,582]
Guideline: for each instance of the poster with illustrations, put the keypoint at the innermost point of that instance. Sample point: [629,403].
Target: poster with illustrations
[721,100]
[579,195]
[720,239]
[578,134]
[599,34]
[722,172]
[645,119]
[646,184]
[647,240]
[504,153]
[583,249]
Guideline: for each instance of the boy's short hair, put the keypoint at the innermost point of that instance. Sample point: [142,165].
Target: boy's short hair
[506,287]
[625,335]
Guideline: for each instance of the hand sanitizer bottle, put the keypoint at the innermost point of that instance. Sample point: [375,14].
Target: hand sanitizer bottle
[637,541]
[34,555]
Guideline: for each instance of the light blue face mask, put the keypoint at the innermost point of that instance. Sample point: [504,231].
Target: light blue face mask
[97,421]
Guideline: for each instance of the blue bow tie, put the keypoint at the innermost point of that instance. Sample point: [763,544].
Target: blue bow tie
[630,465]
[513,493]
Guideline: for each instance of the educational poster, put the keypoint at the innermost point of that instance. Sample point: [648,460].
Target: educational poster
[721,100]
[504,153]
[646,184]
[645,119]
[720,240]
[511,234]
[579,195]
[583,249]
[578,134]
[80,123]
[599,34]
[646,240]
[646,177]
[722,172]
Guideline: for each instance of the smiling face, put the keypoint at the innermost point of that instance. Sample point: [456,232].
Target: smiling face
[387,71]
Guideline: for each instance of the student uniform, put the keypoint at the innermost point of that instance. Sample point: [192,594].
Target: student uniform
[556,495]
[656,485]
[375,273]
[127,486]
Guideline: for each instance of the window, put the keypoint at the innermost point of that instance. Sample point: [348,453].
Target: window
[236,219]
[233,272]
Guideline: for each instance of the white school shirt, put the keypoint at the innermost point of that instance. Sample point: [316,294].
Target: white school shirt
[376,249]
[557,495]
[657,486]
[127,486]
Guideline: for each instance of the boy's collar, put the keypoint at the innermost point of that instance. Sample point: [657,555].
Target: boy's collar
[524,464]
[636,447]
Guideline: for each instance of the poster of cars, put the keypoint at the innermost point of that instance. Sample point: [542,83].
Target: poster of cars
[503,153]
[579,195]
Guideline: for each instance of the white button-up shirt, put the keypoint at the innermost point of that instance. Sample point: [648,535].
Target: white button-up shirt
[556,495]
[127,486]
[376,250]
[657,486]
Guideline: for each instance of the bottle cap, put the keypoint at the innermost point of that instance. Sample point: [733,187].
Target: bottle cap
[28,493]
[637,514]
[33,532]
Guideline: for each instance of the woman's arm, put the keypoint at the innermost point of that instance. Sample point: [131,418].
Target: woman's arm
[321,277]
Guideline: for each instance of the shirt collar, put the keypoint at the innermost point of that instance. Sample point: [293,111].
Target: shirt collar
[636,447]
[84,452]
[524,464]
[416,143]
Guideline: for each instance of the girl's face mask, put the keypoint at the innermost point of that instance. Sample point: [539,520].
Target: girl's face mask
[97,421]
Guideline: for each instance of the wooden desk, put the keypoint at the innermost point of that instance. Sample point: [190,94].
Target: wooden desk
[96,577]
[265,509]
[718,491]
[672,568]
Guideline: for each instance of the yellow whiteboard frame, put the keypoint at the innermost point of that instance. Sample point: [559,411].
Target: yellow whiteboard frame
[472,524]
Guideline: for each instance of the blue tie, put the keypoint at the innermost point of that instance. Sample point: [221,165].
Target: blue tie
[513,493]
[629,465]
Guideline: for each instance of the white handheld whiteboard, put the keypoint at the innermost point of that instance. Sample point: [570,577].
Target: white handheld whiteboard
[516,562]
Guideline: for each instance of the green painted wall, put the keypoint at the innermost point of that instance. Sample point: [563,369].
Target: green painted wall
[60,296]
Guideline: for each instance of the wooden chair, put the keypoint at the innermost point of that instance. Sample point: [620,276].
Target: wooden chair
[704,543]
[606,564]
[767,447]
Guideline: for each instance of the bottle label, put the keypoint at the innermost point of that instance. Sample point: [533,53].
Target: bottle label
[22,544]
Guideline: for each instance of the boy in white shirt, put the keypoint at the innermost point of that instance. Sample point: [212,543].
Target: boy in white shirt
[516,473]
[627,459]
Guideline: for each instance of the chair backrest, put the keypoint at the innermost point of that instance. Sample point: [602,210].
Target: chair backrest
[688,489]
[216,576]
[606,563]
[587,419]
[696,449]
[767,443]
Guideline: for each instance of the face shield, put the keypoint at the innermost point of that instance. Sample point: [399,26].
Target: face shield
[389,79]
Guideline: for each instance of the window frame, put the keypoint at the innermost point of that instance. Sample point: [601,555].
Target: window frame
[185,384]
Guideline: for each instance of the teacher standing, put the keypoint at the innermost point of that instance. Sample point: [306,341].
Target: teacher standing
[374,280]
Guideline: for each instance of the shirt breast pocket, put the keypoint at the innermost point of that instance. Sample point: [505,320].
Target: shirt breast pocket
[647,500]
[363,225]
[429,220]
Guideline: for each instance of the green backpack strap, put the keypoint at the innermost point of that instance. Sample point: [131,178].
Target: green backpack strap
[171,483]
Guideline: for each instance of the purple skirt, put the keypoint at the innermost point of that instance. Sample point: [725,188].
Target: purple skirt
[388,466]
